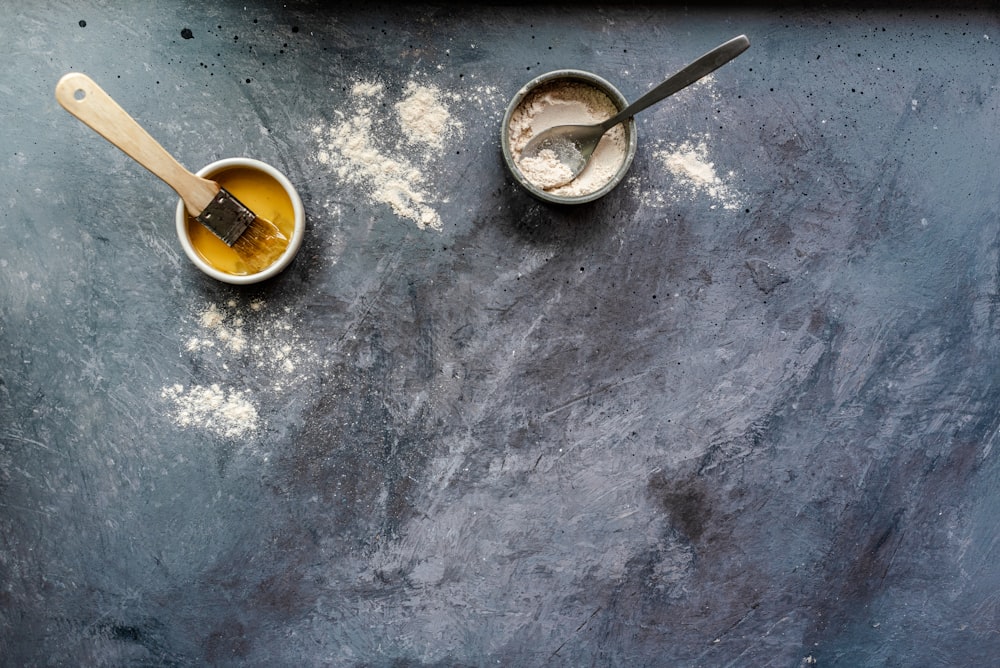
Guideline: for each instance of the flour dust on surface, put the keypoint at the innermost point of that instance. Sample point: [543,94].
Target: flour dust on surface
[257,350]
[688,168]
[693,171]
[220,410]
[391,144]
[389,148]
[685,171]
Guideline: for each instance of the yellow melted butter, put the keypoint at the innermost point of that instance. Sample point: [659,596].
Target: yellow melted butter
[262,195]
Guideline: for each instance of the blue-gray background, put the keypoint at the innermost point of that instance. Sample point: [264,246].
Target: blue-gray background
[642,433]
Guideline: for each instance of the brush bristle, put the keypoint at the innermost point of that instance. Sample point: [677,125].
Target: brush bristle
[226,217]
[260,244]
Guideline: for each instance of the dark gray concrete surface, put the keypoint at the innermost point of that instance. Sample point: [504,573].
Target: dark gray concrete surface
[743,426]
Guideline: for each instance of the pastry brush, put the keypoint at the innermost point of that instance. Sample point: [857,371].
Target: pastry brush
[256,240]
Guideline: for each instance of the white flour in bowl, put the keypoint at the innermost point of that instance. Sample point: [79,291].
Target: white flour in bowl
[545,170]
[566,103]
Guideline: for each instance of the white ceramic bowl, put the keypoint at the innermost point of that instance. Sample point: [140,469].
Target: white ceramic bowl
[298,232]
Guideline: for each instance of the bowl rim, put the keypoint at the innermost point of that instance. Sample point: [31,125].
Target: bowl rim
[298,228]
[570,75]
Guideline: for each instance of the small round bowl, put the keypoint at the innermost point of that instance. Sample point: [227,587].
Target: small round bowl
[268,172]
[575,76]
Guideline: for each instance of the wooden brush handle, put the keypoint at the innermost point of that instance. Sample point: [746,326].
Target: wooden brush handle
[80,96]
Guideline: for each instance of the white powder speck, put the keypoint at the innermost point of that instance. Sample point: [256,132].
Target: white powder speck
[229,334]
[423,116]
[694,172]
[367,89]
[195,344]
[250,339]
[688,161]
[224,412]
[268,341]
[211,317]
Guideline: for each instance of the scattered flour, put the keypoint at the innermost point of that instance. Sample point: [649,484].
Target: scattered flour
[254,338]
[263,340]
[224,412]
[367,89]
[390,154]
[228,334]
[423,117]
[690,165]
[705,86]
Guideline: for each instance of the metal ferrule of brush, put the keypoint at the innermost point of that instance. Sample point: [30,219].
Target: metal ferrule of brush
[227,217]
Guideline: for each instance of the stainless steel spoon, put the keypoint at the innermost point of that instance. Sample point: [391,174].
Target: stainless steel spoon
[574,144]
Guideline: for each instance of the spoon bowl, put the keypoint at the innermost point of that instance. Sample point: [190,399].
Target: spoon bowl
[573,145]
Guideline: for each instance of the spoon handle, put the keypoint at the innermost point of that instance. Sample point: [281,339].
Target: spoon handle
[705,65]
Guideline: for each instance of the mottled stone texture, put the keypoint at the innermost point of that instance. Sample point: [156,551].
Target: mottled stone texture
[746,422]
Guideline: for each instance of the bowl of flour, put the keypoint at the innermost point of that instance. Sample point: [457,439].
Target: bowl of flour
[567,97]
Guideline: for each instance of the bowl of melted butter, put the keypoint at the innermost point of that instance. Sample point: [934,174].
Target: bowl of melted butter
[266,192]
